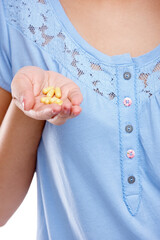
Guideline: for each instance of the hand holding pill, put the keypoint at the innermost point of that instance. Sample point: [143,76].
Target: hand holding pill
[46,95]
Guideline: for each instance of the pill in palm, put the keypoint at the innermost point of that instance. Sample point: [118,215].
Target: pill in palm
[47,101]
[58,92]
[43,99]
[50,93]
[50,98]
[59,101]
[46,90]
[56,100]
[53,100]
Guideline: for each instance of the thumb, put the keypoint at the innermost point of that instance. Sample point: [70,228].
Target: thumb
[22,92]
[27,100]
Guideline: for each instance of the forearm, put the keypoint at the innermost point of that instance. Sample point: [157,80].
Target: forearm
[19,140]
[5,99]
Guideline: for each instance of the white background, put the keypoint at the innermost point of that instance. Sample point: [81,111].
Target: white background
[23,224]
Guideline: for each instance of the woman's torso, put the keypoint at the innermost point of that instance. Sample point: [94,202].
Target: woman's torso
[83,169]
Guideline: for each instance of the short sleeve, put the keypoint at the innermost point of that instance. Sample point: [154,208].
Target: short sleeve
[5,65]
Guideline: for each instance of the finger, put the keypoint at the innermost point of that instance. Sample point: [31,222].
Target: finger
[64,114]
[66,108]
[60,119]
[75,96]
[22,91]
[73,112]
[28,100]
[76,110]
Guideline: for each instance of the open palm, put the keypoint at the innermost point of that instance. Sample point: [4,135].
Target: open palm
[27,88]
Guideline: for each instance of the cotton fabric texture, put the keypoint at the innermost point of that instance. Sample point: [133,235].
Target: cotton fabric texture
[88,186]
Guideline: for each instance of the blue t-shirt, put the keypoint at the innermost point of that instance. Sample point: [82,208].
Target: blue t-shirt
[98,175]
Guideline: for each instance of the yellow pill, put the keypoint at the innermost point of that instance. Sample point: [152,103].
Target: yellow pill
[50,93]
[46,90]
[59,101]
[43,99]
[58,92]
[47,101]
[53,100]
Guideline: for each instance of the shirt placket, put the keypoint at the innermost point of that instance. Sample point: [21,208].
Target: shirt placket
[128,136]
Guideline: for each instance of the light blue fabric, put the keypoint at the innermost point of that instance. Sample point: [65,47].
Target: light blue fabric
[82,166]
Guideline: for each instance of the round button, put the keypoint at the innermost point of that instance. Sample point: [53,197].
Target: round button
[127,75]
[131,179]
[127,101]
[130,153]
[129,128]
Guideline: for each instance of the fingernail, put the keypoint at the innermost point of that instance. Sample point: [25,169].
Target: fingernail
[21,99]
[22,104]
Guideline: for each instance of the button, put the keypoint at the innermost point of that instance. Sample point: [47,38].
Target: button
[127,101]
[129,128]
[130,153]
[131,179]
[127,75]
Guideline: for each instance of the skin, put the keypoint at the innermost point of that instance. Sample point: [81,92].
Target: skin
[25,122]
[17,158]
[116,26]
[6,97]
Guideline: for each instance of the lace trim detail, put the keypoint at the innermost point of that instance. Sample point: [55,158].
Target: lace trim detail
[149,80]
